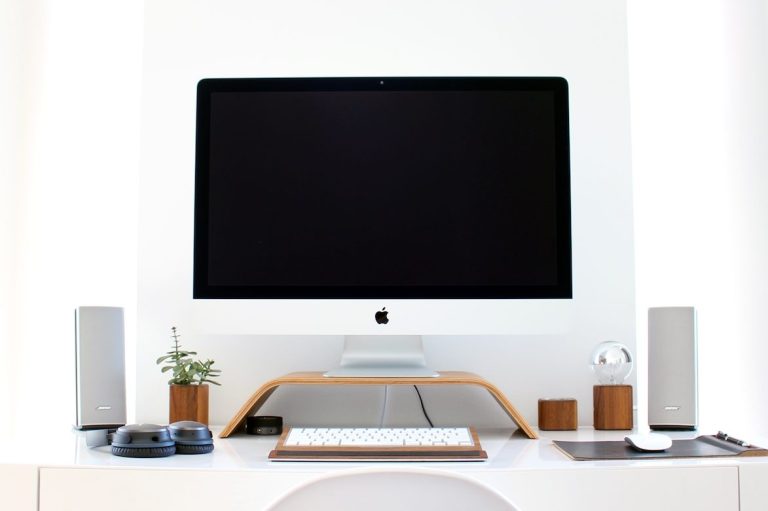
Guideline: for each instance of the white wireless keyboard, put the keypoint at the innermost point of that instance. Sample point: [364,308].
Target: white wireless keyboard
[408,444]
[379,437]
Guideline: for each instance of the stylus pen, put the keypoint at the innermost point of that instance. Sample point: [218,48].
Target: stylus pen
[723,436]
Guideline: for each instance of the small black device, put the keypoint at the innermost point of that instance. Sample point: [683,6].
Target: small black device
[191,437]
[264,425]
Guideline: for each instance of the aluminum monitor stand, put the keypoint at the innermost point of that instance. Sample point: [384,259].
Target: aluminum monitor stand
[383,356]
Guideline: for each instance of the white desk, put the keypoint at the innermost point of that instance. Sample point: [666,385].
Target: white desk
[237,475]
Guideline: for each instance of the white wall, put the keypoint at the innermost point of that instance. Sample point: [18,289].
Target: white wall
[699,81]
[11,23]
[583,41]
[69,140]
[69,80]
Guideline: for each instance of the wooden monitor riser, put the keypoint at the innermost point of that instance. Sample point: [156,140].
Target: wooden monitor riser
[261,395]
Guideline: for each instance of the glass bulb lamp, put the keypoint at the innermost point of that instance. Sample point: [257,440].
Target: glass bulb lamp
[612,399]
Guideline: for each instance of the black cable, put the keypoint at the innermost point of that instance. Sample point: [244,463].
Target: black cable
[426,415]
[384,406]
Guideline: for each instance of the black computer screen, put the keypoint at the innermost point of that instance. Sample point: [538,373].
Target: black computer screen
[390,188]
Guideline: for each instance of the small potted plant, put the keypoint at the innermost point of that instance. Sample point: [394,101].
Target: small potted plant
[188,384]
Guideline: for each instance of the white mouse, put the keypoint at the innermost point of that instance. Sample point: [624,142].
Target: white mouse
[649,442]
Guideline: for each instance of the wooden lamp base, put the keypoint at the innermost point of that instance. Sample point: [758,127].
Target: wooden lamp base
[612,406]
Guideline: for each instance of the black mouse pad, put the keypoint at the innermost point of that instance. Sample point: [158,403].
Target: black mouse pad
[707,446]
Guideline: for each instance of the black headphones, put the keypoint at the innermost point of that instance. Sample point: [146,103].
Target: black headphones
[154,441]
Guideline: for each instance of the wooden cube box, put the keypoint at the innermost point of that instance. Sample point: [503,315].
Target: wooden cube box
[558,414]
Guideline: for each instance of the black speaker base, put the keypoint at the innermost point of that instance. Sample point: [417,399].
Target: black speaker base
[668,427]
[91,427]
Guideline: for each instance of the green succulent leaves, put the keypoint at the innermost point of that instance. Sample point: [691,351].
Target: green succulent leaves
[186,370]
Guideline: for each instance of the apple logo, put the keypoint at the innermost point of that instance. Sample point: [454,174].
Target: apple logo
[381,316]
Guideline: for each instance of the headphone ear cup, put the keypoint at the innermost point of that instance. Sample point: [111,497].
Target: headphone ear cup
[193,449]
[143,452]
[191,437]
[143,441]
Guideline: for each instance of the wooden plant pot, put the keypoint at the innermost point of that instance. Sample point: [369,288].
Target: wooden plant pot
[188,403]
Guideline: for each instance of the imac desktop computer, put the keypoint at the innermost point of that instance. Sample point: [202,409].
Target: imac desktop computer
[383,209]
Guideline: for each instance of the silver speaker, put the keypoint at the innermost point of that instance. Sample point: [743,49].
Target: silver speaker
[672,368]
[100,367]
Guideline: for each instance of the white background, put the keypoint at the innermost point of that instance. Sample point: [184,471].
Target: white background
[185,42]
[83,219]
[698,80]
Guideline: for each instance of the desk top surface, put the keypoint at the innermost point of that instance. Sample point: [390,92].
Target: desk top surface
[507,450]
